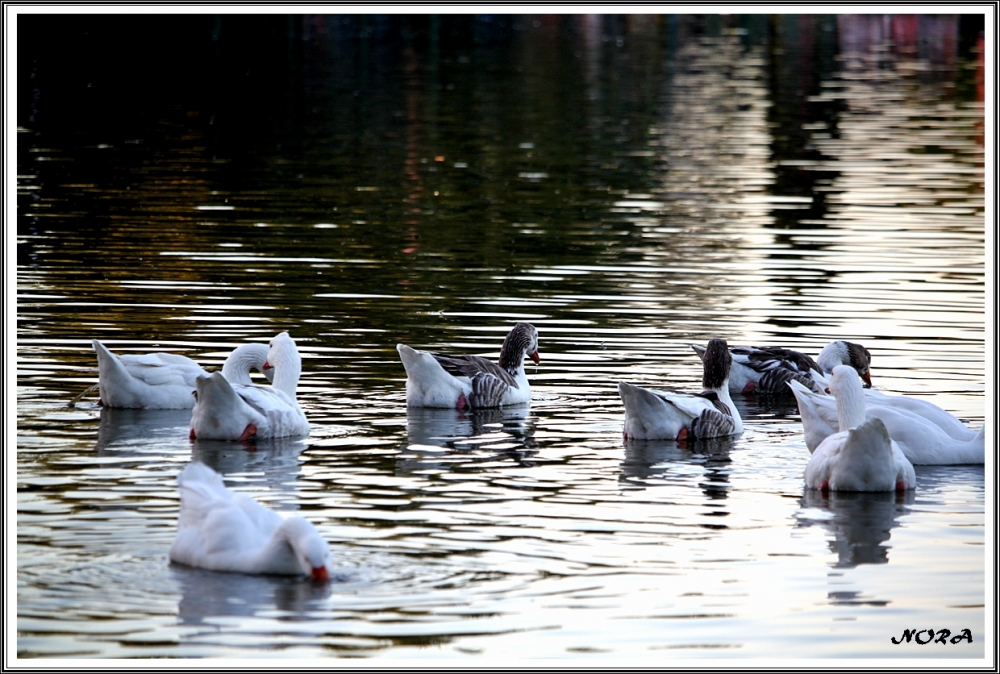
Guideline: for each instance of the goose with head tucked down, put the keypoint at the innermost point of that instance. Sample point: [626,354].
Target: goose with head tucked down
[225,411]
[165,381]
[471,382]
[220,530]
[766,370]
[861,456]
[663,415]
[921,440]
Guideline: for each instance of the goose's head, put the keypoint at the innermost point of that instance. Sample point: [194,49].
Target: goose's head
[279,351]
[846,353]
[716,361]
[311,551]
[520,342]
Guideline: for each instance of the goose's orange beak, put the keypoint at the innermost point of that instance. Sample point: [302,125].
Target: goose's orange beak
[267,366]
[867,378]
[320,573]
[534,356]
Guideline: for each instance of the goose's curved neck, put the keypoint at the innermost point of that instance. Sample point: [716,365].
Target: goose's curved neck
[512,352]
[243,359]
[286,375]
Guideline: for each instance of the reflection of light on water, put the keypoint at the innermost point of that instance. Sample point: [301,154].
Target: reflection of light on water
[903,238]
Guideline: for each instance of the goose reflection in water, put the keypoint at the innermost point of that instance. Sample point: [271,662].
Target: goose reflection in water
[480,434]
[129,432]
[273,463]
[861,522]
[209,594]
[670,461]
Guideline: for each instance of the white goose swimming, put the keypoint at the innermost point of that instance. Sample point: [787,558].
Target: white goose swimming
[469,382]
[164,381]
[656,415]
[861,456]
[924,409]
[921,440]
[846,353]
[224,531]
[768,369]
[225,411]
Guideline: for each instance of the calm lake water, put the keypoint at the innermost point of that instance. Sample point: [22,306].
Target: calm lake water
[630,185]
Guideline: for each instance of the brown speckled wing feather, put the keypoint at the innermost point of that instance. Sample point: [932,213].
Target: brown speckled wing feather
[470,366]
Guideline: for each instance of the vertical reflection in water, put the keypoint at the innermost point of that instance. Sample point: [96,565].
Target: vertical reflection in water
[859,523]
[903,248]
[709,195]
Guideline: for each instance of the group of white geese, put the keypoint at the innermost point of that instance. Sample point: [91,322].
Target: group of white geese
[861,439]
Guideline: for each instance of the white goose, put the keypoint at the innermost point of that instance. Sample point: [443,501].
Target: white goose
[656,415]
[225,411]
[924,409]
[467,382]
[921,440]
[164,381]
[224,531]
[768,369]
[846,353]
[861,456]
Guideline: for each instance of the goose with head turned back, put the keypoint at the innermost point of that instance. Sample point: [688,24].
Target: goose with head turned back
[470,382]
[160,381]
[861,456]
[846,353]
[656,415]
[768,369]
[921,441]
[223,531]
[225,411]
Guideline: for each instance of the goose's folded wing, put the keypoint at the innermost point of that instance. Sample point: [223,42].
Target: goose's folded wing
[715,419]
[470,366]
[764,359]
[487,390]
[201,490]
[777,379]
[162,369]
[165,376]
[264,399]
[692,404]
[264,520]
[164,358]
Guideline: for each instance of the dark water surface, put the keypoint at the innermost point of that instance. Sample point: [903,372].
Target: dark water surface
[630,185]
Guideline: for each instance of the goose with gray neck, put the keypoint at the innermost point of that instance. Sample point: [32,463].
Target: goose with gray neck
[471,382]
[766,370]
[672,415]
